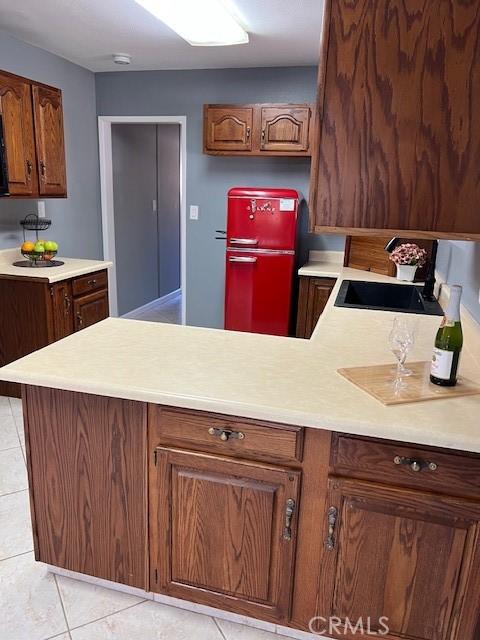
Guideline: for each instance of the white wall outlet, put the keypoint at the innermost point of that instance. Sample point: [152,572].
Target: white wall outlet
[41,209]
[193,212]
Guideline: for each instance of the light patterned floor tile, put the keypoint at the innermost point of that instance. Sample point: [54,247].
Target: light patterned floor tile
[31,607]
[18,419]
[16,405]
[8,432]
[150,621]
[84,602]
[13,473]
[5,407]
[15,525]
[234,631]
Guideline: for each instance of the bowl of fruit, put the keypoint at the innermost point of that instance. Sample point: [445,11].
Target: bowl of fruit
[41,251]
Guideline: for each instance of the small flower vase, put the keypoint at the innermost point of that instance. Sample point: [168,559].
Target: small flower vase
[406,272]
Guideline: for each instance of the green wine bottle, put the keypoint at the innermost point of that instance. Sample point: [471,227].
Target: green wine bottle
[448,343]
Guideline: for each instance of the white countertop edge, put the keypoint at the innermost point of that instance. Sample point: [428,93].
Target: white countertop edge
[254,412]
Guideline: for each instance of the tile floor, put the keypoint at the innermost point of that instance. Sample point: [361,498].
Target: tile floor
[169,312]
[37,605]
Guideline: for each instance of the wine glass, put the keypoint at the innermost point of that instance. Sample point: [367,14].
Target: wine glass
[401,339]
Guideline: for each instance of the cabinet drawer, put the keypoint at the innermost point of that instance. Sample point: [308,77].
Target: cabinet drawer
[225,435]
[390,463]
[90,282]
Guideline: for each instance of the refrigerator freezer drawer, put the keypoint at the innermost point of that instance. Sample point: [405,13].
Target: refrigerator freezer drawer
[258,292]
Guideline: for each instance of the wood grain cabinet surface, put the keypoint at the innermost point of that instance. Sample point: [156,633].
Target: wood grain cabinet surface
[16,111]
[47,105]
[34,313]
[257,129]
[119,492]
[34,137]
[223,531]
[398,141]
[312,298]
[405,560]
[88,483]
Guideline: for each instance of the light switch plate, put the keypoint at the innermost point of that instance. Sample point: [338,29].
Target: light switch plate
[41,209]
[193,212]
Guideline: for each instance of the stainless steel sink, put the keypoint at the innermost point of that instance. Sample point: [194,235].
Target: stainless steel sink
[386,296]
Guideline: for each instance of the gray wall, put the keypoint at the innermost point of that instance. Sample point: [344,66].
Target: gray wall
[77,219]
[209,178]
[459,263]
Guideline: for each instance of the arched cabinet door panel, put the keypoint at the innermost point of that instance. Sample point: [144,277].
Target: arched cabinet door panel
[285,129]
[228,129]
[16,112]
[47,105]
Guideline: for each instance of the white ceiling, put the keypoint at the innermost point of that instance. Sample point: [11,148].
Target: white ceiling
[88,32]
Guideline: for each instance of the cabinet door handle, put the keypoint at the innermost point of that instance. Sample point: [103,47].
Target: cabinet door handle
[332,514]
[248,133]
[289,511]
[29,167]
[67,303]
[43,168]
[415,464]
[226,434]
[80,319]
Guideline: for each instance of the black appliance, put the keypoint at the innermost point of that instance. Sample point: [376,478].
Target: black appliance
[3,163]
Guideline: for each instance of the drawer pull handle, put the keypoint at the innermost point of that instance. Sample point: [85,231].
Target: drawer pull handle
[92,283]
[289,511]
[226,434]
[332,514]
[415,464]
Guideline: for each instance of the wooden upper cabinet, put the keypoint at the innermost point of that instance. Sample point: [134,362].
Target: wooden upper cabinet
[257,129]
[223,531]
[228,129]
[48,111]
[406,560]
[16,110]
[285,129]
[34,139]
[398,144]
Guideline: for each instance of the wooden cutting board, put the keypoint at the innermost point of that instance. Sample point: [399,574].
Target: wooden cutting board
[377,381]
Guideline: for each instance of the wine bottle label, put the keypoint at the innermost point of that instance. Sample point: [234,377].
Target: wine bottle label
[442,362]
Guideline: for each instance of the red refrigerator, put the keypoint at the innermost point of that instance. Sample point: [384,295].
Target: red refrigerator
[260,259]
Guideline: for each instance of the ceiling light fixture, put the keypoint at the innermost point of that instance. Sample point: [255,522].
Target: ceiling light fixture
[202,23]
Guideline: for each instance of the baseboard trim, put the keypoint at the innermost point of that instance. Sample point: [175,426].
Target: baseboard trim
[166,298]
[189,606]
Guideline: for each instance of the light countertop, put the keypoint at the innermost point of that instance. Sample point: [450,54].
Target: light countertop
[73,267]
[323,264]
[285,380]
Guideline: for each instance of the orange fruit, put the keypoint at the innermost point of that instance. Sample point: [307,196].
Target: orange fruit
[28,246]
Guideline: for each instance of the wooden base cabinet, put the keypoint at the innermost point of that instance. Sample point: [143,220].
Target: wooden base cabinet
[222,532]
[186,504]
[86,463]
[34,313]
[405,561]
[313,296]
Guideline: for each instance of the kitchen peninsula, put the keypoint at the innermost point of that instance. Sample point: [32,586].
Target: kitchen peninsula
[241,472]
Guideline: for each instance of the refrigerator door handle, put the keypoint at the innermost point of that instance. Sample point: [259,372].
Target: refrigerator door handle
[247,241]
[241,259]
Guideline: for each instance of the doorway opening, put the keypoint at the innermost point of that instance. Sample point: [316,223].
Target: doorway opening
[143,187]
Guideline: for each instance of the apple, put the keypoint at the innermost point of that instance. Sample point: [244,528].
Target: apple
[50,245]
[39,247]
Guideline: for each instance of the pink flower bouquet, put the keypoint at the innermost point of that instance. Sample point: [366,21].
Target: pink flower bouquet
[409,254]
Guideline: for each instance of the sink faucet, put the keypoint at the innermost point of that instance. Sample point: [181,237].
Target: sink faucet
[429,284]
